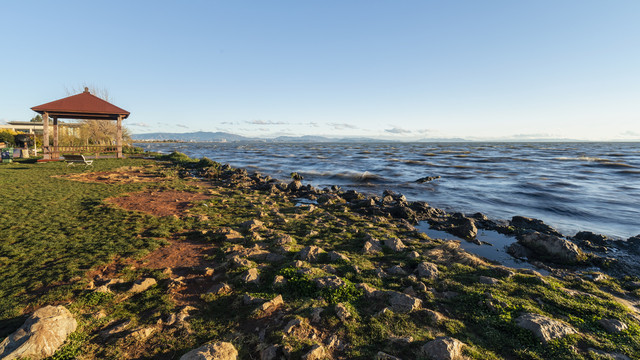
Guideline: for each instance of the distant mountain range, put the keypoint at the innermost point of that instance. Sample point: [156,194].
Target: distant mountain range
[206,136]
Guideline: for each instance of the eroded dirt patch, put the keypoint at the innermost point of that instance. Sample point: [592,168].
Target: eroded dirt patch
[159,203]
[125,175]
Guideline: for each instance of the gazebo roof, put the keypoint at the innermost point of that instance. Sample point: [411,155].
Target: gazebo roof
[82,106]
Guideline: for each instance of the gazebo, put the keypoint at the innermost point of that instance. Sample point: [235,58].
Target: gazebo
[80,106]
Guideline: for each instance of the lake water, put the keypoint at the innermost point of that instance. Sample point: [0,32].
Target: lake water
[571,186]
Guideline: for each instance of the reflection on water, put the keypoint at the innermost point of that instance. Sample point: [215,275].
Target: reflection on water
[572,186]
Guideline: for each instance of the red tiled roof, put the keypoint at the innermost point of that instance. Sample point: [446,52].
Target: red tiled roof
[81,106]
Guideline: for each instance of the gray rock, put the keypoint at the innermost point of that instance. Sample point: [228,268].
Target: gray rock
[404,303]
[276,301]
[488,280]
[142,285]
[269,353]
[219,289]
[413,255]
[553,246]
[41,335]
[335,256]
[333,282]
[250,300]
[443,348]
[310,253]
[396,270]
[279,280]
[613,325]
[464,227]
[544,328]
[395,244]
[342,312]
[252,225]
[217,351]
[522,222]
[372,247]
[315,314]
[427,270]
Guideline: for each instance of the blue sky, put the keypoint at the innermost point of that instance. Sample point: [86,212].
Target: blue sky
[393,69]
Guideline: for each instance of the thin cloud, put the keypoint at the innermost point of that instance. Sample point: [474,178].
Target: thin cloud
[182,126]
[140,124]
[399,131]
[266,122]
[342,126]
[630,133]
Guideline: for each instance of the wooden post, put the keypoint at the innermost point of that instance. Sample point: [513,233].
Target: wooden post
[119,137]
[56,152]
[45,136]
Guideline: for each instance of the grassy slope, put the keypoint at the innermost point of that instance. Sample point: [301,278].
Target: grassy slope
[54,230]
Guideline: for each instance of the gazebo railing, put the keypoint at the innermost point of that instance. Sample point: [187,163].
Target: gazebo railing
[87,150]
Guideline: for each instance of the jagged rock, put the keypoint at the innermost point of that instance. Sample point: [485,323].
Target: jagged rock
[180,317]
[588,236]
[217,351]
[251,276]
[551,245]
[229,234]
[342,312]
[252,225]
[295,326]
[218,289]
[384,356]
[427,270]
[395,244]
[142,285]
[333,342]
[369,291]
[427,179]
[396,270]
[238,262]
[463,227]
[335,256]
[544,328]
[276,301]
[413,255]
[310,253]
[283,239]
[443,348]
[522,222]
[404,303]
[518,251]
[41,335]
[294,186]
[317,352]
[488,280]
[380,273]
[333,282]
[613,325]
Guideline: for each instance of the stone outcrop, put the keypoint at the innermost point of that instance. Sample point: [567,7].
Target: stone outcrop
[395,244]
[404,303]
[521,222]
[41,335]
[544,328]
[310,253]
[552,246]
[427,270]
[613,325]
[443,348]
[217,351]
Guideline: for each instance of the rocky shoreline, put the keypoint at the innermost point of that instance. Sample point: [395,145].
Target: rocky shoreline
[259,268]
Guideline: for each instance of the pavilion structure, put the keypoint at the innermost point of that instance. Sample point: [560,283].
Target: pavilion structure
[84,106]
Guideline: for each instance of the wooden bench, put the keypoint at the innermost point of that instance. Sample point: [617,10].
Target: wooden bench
[73,159]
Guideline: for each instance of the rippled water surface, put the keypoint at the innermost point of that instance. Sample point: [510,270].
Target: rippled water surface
[572,186]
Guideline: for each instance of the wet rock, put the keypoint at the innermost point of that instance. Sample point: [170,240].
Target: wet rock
[335,256]
[403,212]
[427,179]
[443,348]
[613,325]
[41,335]
[251,276]
[518,251]
[294,186]
[395,244]
[275,302]
[553,246]
[427,270]
[310,253]
[544,328]
[317,352]
[384,356]
[522,222]
[142,285]
[589,237]
[463,227]
[352,195]
[404,303]
[216,351]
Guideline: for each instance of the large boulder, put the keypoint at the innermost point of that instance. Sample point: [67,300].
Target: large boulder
[443,348]
[217,351]
[427,270]
[552,246]
[40,336]
[404,303]
[544,328]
